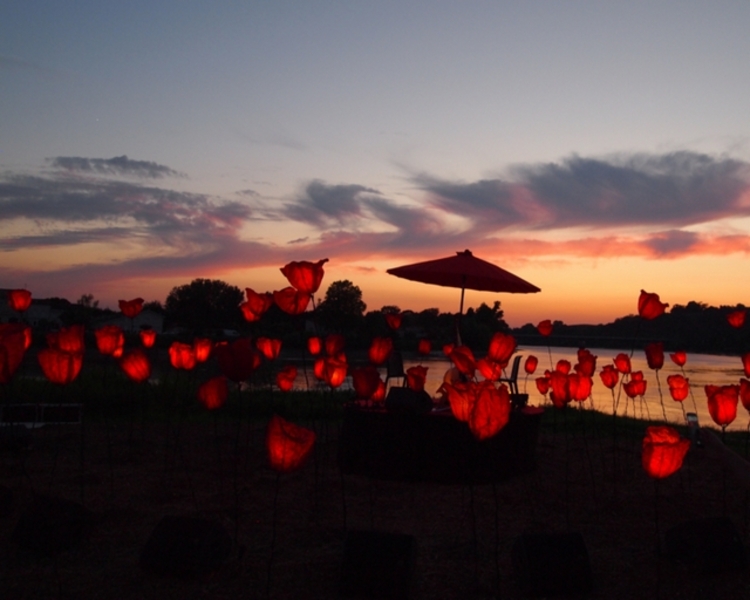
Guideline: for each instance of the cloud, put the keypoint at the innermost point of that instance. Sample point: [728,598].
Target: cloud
[676,189]
[323,204]
[119,165]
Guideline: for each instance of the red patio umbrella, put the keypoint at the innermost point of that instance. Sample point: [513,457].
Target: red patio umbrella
[464,270]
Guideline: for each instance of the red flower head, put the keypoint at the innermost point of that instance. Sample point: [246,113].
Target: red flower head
[269,347]
[544,327]
[580,387]
[182,356]
[563,366]
[622,362]
[679,358]
[586,363]
[12,349]
[415,377]
[530,364]
[213,393]
[19,300]
[447,349]
[136,365]
[60,366]
[746,363]
[365,381]
[314,345]
[461,397]
[490,411]
[319,368]
[394,320]
[291,301]
[542,384]
[202,348]
[237,360]
[148,337]
[649,306]
[424,347]
[285,378]
[256,305]
[745,393]
[110,340]
[502,347]
[380,350]
[334,344]
[663,451]
[305,276]
[131,308]
[609,376]
[288,444]
[679,387]
[490,369]
[379,394]
[463,358]
[655,355]
[334,371]
[560,385]
[636,386]
[68,339]
[736,318]
[722,403]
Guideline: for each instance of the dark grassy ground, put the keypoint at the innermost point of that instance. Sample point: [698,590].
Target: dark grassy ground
[134,467]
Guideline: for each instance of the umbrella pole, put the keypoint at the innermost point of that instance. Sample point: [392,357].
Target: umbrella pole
[460,312]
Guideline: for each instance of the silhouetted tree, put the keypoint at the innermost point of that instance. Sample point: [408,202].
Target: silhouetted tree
[204,304]
[342,307]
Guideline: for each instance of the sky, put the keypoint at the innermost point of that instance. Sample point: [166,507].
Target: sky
[592,148]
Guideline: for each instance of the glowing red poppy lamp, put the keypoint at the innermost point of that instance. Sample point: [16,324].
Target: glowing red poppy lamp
[655,355]
[622,363]
[256,305]
[679,387]
[202,347]
[12,349]
[291,301]
[60,366]
[213,393]
[334,371]
[544,327]
[649,306]
[424,347]
[110,340]
[394,320]
[380,350]
[679,358]
[502,346]
[288,444]
[314,345]
[365,381]
[285,378]
[68,339]
[530,364]
[736,318]
[269,347]
[609,376]
[746,363]
[305,276]
[490,411]
[237,360]
[722,403]
[416,377]
[136,365]
[148,337]
[19,300]
[131,308]
[182,356]
[663,451]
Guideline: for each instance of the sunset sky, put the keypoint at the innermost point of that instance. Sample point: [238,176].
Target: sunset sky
[592,148]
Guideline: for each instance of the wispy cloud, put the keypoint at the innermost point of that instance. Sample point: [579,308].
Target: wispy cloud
[322,204]
[119,165]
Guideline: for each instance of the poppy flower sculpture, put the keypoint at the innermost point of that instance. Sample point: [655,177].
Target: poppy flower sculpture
[148,337]
[213,393]
[269,347]
[237,360]
[60,366]
[722,403]
[202,347]
[334,344]
[12,349]
[68,339]
[334,371]
[530,364]
[622,363]
[636,386]
[586,365]
[649,306]
[380,350]
[416,377]
[745,393]
[559,384]
[542,385]
[365,381]
[286,377]
[256,305]
[463,358]
[131,308]
[502,346]
[288,444]
[490,411]
[314,345]
[136,366]
[19,300]
[679,387]
[655,355]
[182,356]
[424,347]
[490,370]
[736,318]
[609,376]
[394,320]
[461,397]
[110,340]
[663,451]
[746,363]
[679,358]
[291,301]
[305,276]
[579,386]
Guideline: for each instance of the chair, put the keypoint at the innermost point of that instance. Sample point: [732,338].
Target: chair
[512,381]
[395,367]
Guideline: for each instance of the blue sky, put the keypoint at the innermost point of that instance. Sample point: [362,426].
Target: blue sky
[593,148]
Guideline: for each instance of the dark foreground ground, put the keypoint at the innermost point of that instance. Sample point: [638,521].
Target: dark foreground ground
[289,530]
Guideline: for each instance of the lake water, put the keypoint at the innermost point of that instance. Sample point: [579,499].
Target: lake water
[700,369]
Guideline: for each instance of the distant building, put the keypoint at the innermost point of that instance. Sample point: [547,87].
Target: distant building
[40,312]
[146,319]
